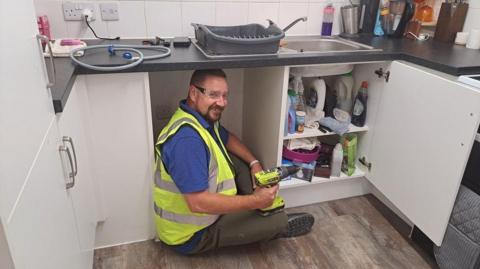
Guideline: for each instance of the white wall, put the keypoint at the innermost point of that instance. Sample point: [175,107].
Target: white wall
[473,16]
[166,18]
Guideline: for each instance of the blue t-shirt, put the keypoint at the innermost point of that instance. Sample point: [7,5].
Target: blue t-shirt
[186,158]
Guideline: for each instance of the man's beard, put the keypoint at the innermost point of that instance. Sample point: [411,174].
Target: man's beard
[212,109]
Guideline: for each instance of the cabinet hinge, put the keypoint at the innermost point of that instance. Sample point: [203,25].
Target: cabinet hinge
[364,162]
[380,73]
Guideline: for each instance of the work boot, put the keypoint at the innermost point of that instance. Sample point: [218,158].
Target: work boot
[298,224]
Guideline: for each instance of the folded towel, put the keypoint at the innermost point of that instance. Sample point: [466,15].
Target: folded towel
[336,126]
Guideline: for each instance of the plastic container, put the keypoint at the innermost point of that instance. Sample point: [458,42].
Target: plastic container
[359,114]
[337,158]
[240,39]
[315,100]
[301,155]
[300,121]
[298,88]
[327,23]
[344,88]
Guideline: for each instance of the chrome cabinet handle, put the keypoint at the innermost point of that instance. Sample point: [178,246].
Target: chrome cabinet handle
[70,141]
[71,174]
[52,63]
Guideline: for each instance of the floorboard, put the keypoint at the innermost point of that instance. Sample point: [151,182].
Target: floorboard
[348,233]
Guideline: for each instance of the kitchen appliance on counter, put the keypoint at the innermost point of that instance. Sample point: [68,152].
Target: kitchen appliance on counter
[395,16]
[368,15]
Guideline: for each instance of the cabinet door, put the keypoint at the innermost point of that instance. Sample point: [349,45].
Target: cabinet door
[423,134]
[73,125]
[26,108]
[41,231]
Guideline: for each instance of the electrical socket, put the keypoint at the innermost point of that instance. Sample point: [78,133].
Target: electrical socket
[109,11]
[73,11]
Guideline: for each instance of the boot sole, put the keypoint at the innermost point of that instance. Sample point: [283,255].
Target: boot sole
[299,226]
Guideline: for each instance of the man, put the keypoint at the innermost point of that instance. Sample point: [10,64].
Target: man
[204,194]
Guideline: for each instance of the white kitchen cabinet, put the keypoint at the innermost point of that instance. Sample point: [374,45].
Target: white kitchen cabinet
[41,231]
[37,218]
[25,101]
[122,155]
[74,129]
[420,129]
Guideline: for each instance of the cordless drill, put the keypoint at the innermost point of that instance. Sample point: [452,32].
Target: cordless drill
[270,177]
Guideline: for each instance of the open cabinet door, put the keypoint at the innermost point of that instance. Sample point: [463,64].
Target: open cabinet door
[423,134]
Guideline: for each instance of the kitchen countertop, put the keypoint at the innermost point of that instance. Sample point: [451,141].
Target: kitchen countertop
[448,58]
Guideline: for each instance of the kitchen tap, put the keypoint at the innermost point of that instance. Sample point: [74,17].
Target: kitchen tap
[294,22]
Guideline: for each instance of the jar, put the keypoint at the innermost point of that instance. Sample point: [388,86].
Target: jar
[300,121]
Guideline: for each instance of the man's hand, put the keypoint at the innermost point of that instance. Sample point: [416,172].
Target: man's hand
[265,196]
[257,167]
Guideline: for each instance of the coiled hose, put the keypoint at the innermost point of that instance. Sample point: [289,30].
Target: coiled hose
[164,52]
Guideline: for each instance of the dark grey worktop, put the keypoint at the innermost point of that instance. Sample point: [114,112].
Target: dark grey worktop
[448,58]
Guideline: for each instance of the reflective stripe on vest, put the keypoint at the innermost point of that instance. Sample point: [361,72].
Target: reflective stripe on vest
[175,125]
[185,219]
[171,187]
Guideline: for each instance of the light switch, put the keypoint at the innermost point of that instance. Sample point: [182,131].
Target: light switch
[109,11]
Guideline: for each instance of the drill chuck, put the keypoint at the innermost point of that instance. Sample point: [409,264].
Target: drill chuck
[273,176]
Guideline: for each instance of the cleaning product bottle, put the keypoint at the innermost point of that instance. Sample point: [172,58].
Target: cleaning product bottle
[359,113]
[344,88]
[291,121]
[298,87]
[336,162]
[327,22]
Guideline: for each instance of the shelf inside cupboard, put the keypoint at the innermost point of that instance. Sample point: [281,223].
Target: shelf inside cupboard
[312,132]
[294,182]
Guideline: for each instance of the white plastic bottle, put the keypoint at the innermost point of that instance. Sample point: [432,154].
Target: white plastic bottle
[336,163]
[344,88]
[316,101]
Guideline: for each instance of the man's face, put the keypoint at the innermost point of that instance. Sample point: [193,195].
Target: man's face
[210,97]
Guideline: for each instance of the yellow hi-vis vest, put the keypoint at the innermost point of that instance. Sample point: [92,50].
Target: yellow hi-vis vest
[174,221]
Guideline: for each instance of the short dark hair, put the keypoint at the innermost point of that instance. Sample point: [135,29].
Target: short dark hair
[199,76]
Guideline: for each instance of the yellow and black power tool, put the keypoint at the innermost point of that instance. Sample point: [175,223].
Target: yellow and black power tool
[270,177]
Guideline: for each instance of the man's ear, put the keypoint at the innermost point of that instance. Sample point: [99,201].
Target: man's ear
[192,93]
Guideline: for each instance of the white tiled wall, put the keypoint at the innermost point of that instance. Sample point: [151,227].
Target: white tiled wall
[473,16]
[166,18]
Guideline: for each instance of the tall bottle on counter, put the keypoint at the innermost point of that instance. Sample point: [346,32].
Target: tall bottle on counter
[327,23]
[359,113]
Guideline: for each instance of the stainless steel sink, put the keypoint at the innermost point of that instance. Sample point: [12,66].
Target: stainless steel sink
[322,45]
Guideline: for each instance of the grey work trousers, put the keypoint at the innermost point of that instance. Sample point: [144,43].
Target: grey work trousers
[243,227]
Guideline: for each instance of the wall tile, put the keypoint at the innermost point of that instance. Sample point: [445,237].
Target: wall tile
[79,29]
[474,4]
[131,21]
[473,20]
[231,13]
[198,12]
[315,17]
[291,11]
[163,18]
[260,12]
[53,10]
[337,19]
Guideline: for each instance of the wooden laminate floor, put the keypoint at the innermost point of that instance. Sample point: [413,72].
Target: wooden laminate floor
[348,233]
